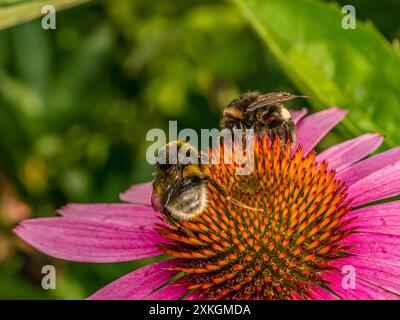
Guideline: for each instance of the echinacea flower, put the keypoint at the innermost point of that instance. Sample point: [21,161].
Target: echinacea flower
[312,235]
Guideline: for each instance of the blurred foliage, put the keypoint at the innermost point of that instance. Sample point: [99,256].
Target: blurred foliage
[76,102]
[14,12]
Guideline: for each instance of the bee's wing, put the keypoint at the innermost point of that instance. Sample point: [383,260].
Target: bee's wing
[271,98]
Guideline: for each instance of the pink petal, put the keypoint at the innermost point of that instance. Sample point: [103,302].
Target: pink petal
[297,115]
[376,245]
[346,153]
[386,225]
[381,218]
[368,166]
[89,240]
[137,284]
[171,291]
[134,215]
[378,210]
[389,265]
[138,193]
[313,128]
[381,184]
[380,279]
[376,260]
[362,291]
[380,275]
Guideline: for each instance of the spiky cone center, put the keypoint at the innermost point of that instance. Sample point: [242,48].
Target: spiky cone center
[279,243]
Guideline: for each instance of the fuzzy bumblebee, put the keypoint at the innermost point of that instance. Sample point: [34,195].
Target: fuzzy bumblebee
[180,184]
[264,113]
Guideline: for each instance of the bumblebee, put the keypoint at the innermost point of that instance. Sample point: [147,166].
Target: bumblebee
[180,185]
[264,113]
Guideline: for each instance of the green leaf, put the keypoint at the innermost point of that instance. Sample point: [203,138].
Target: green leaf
[30,37]
[23,11]
[356,69]
[8,2]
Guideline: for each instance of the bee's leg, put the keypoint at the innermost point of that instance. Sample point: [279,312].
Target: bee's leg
[290,136]
[292,132]
[234,201]
[170,220]
[217,186]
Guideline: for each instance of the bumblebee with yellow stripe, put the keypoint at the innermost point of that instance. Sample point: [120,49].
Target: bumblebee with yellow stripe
[180,185]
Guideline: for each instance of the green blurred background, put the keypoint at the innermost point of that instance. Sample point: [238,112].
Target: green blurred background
[76,102]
